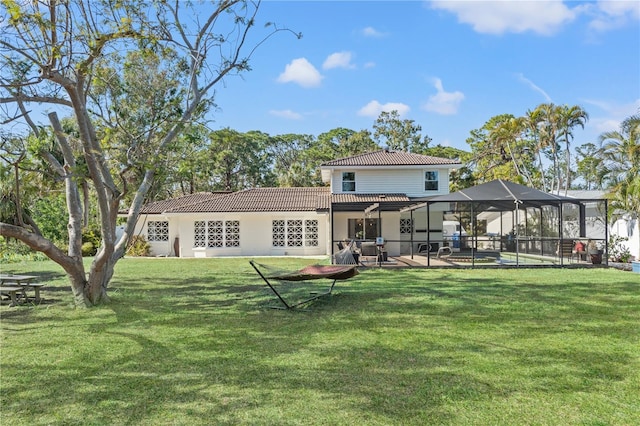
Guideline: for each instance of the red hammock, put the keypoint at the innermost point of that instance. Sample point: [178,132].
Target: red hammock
[311,272]
[315,272]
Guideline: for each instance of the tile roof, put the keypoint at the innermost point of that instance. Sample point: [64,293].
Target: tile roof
[390,158]
[263,200]
[163,206]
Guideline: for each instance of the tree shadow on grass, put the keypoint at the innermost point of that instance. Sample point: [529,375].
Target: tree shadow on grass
[383,349]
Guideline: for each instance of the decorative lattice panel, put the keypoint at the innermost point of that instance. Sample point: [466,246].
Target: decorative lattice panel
[215,233]
[199,233]
[406,226]
[294,233]
[311,233]
[232,231]
[158,230]
[278,233]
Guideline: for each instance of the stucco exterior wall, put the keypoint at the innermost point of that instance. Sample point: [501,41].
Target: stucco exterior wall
[256,238]
[392,181]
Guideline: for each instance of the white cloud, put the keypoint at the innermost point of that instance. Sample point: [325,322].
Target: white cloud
[374,108]
[613,14]
[610,115]
[338,60]
[533,86]
[369,64]
[444,103]
[498,17]
[372,32]
[302,72]
[286,113]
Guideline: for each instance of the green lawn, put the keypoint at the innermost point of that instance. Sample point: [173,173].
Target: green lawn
[192,341]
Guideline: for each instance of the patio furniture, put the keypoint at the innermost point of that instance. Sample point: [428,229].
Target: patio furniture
[368,249]
[580,251]
[12,292]
[565,249]
[24,283]
[443,251]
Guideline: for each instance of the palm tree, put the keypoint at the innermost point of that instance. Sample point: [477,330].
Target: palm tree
[547,127]
[507,136]
[621,153]
[568,118]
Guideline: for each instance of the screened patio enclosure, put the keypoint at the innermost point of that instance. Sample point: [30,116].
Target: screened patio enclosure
[501,222]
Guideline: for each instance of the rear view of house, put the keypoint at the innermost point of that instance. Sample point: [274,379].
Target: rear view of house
[367,197]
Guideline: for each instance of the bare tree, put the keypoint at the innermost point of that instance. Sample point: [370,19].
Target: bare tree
[53,53]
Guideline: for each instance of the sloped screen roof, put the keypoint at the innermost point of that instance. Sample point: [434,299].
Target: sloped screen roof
[502,195]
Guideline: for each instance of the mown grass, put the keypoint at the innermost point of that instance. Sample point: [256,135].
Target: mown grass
[192,341]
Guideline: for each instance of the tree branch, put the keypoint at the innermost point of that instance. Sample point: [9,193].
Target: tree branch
[37,243]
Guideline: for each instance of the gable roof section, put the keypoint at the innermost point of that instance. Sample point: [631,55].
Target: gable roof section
[263,200]
[390,158]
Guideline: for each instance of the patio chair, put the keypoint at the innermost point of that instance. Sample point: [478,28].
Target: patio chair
[368,249]
[565,249]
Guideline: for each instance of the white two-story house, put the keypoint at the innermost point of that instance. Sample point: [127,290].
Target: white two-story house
[368,196]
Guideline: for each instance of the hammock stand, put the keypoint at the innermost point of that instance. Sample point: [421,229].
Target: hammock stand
[311,272]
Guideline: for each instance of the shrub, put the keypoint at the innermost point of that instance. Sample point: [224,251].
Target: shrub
[617,251]
[14,252]
[138,246]
[88,249]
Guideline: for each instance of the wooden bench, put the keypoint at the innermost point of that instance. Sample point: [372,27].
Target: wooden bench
[36,288]
[12,292]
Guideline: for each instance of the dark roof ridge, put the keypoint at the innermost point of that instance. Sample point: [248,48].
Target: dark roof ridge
[386,157]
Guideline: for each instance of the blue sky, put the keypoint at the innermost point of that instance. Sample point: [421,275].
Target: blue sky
[449,66]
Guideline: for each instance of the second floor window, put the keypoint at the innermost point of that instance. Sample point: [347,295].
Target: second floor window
[430,181]
[348,182]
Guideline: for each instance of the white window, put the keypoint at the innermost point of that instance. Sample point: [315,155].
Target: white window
[294,233]
[216,233]
[158,230]
[431,181]
[348,182]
